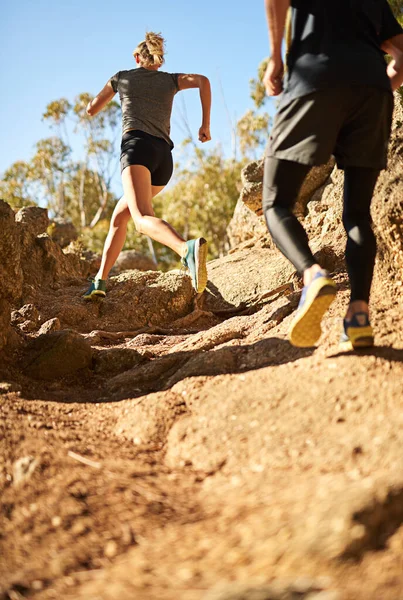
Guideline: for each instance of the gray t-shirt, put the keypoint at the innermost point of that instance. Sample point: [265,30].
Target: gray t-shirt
[338,43]
[146,97]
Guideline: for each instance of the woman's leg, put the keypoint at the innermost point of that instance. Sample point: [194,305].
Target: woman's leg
[115,239]
[138,193]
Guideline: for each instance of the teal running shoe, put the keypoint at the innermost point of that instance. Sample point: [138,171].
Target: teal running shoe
[315,300]
[357,333]
[97,289]
[195,260]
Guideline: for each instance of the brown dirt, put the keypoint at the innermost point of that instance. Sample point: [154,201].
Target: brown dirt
[257,475]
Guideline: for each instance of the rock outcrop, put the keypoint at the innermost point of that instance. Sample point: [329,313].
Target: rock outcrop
[57,354]
[62,231]
[130,259]
[252,179]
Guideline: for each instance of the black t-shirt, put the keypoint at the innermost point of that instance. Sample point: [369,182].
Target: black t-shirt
[337,43]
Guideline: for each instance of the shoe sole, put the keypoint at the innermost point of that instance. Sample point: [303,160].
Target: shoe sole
[306,328]
[95,294]
[200,264]
[360,337]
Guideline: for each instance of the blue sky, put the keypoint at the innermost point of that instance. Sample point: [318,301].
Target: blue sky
[52,49]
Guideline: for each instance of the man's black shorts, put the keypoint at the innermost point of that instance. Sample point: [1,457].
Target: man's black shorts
[353,123]
[140,148]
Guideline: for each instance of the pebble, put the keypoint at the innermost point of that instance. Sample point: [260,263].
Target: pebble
[111,549]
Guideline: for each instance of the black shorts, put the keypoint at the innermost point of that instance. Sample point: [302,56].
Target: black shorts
[352,123]
[140,148]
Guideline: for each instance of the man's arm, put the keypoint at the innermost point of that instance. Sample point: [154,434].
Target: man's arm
[276,14]
[394,47]
[100,100]
[186,82]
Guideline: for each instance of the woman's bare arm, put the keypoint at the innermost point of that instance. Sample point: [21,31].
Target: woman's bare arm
[100,100]
[186,82]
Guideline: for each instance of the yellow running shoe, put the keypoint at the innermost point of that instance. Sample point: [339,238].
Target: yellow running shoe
[315,300]
[357,333]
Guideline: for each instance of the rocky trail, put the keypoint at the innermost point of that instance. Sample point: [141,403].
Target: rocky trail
[165,447]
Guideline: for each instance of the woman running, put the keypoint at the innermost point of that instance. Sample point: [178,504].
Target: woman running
[146,95]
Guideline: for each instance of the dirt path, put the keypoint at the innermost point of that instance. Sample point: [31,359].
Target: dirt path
[227,457]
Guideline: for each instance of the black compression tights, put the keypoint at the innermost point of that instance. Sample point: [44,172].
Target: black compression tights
[282,183]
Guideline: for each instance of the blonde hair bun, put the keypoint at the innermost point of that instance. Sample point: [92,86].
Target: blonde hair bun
[151,50]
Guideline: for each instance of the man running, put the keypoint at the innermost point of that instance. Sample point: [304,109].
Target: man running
[337,99]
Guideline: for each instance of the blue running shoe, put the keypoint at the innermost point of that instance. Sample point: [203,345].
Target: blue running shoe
[315,300]
[195,260]
[357,333]
[97,289]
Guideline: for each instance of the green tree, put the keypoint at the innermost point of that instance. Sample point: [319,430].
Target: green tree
[203,199]
[397,7]
[99,164]
[49,168]
[257,89]
[252,130]
[16,186]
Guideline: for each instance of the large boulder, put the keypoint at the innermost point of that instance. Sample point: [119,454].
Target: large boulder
[135,299]
[130,259]
[62,231]
[387,206]
[33,218]
[244,225]
[243,276]
[252,179]
[11,276]
[57,354]
[5,311]
[30,259]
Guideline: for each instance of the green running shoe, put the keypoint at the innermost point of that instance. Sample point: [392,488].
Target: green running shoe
[97,289]
[195,261]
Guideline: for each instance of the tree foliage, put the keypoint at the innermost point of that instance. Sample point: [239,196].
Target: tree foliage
[16,185]
[200,200]
[257,89]
[397,7]
[252,130]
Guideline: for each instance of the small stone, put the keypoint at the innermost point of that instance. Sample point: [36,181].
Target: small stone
[28,326]
[79,527]
[324,595]
[29,312]
[111,549]
[50,325]
[56,521]
[185,574]
[37,585]
[23,468]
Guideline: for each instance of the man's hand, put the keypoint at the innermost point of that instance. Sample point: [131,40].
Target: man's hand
[394,47]
[273,78]
[204,134]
